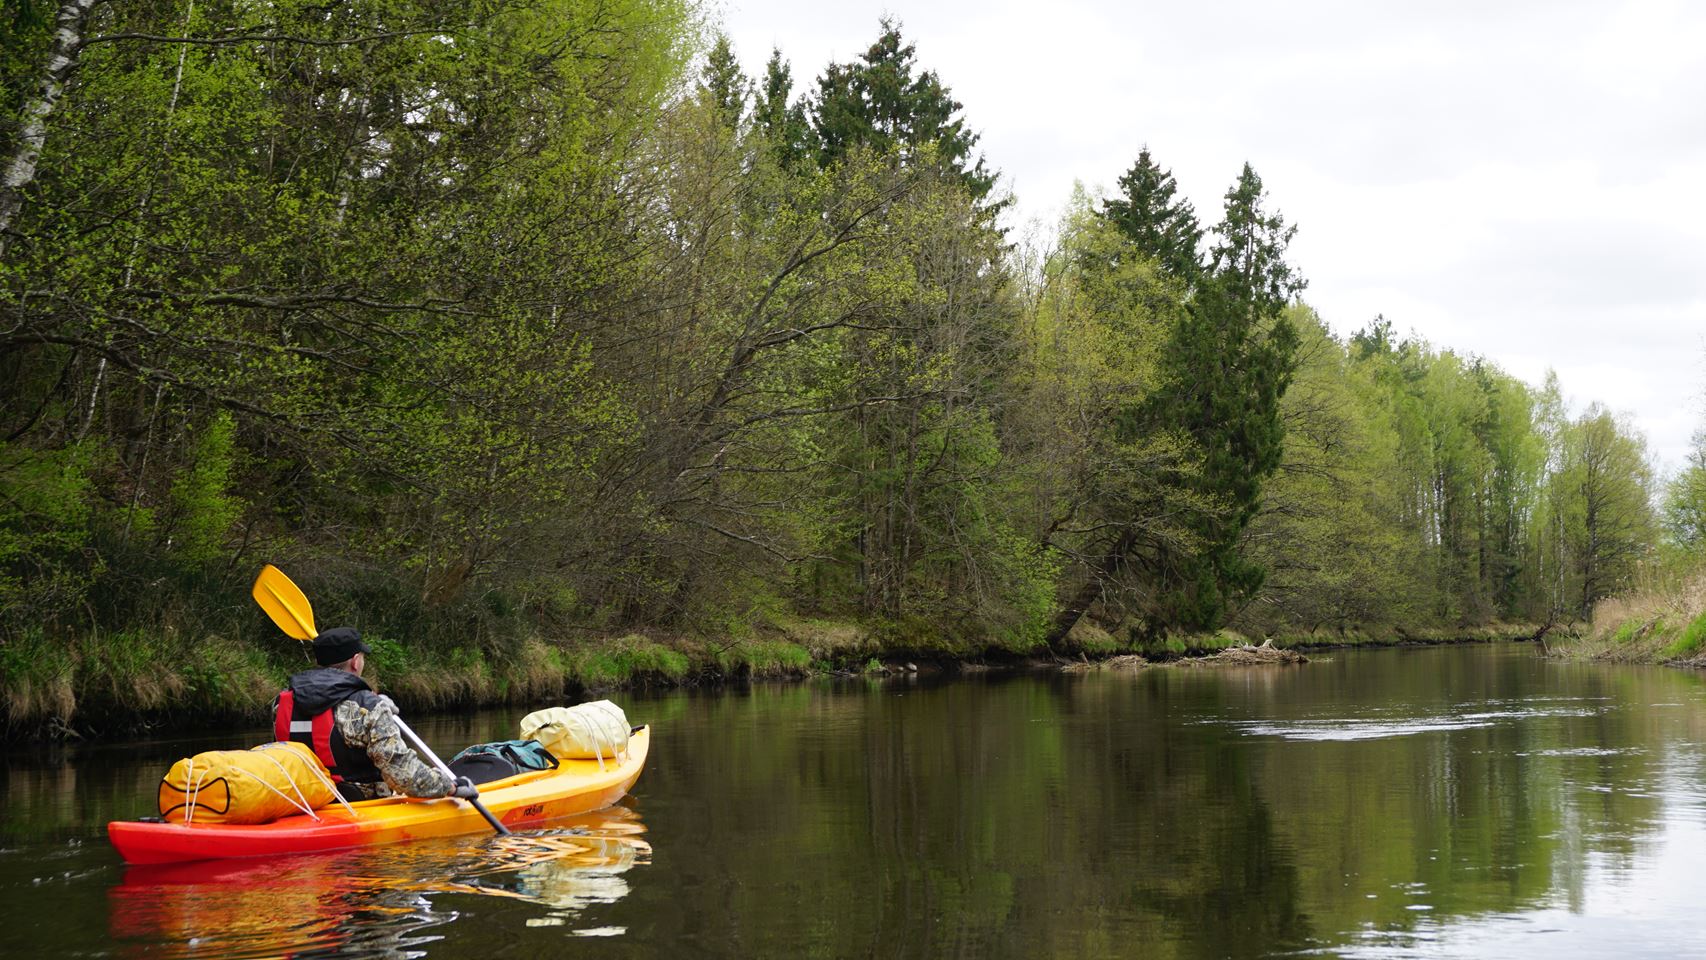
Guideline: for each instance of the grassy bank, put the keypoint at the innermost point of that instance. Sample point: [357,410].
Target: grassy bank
[1199,644]
[117,683]
[125,683]
[1664,622]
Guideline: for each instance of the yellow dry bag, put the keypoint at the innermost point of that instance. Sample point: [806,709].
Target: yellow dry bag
[246,786]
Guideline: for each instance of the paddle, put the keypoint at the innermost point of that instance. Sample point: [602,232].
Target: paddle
[285,603]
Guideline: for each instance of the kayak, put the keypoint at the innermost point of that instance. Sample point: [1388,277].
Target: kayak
[525,800]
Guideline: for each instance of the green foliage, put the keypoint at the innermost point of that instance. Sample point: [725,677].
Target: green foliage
[1597,522]
[515,325]
[44,530]
[724,83]
[1228,361]
[35,678]
[203,507]
[1330,533]
[764,658]
[1692,639]
[883,103]
[389,658]
[1029,575]
[783,128]
[630,659]
[1162,228]
[1684,508]
[636,656]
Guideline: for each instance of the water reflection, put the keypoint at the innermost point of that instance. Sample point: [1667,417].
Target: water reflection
[1460,802]
[385,902]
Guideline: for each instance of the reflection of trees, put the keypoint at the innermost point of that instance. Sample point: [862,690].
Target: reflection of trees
[976,819]
[66,792]
[1490,819]
[1099,815]
[1119,814]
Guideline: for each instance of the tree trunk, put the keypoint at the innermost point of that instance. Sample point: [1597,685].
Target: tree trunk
[32,134]
[1092,589]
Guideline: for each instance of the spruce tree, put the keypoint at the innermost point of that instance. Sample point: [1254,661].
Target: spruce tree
[881,101]
[1162,227]
[724,82]
[783,125]
[1229,359]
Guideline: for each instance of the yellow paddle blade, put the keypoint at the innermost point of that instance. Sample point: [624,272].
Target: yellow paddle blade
[284,603]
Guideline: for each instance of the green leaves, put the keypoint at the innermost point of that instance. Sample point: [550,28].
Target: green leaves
[204,506]
[476,307]
[45,512]
[1685,502]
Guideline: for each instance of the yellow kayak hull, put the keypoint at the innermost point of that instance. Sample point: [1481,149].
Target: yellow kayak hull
[519,802]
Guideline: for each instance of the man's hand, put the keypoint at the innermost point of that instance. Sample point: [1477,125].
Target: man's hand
[464,788]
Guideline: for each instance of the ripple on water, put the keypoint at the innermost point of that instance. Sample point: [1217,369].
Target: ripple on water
[1356,729]
[1387,727]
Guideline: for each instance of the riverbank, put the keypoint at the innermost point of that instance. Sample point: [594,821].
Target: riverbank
[120,684]
[1664,624]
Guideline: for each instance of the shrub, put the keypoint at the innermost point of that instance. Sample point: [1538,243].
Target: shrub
[43,531]
[202,505]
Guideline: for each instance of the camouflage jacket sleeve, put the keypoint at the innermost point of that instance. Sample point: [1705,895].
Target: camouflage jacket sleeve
[376,732]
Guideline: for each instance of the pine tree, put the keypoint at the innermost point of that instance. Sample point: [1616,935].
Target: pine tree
[1163,228]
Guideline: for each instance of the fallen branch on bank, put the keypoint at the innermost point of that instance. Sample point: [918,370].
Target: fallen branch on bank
[1249,655]
[1240,656]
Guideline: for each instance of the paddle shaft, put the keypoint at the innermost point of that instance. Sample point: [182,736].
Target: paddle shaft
[422,747]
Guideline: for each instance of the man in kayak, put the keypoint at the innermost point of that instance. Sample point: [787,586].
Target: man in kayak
[352,729]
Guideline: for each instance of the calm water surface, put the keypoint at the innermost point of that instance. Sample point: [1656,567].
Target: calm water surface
[1449,802]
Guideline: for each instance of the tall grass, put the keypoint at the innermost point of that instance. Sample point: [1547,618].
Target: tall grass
[47,684]
[1662,620]
[36,680]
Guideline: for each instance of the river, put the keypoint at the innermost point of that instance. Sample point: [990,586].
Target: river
[1472,801]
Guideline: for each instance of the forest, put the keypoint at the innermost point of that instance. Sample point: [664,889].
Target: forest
[540,342]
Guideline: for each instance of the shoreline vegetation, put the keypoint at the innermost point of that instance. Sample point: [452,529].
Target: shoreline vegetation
[543,345]
[126,686]
[1661,623]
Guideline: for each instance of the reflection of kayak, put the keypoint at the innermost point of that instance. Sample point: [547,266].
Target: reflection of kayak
[529,799]
[375,902]
[267,907]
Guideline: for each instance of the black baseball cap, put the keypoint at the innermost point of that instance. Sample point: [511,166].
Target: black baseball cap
[337,645]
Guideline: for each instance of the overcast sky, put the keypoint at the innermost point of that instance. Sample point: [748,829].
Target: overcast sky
[1521,180]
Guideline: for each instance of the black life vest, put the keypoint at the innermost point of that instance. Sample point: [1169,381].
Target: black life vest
[305,715]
